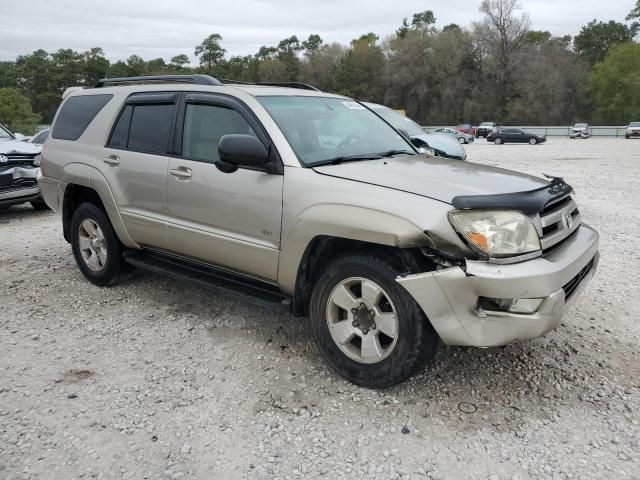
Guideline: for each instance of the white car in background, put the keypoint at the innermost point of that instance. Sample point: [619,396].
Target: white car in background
[19,165]
[633,130]
[461,137]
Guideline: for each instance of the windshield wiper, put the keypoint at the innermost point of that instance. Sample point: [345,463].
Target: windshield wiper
[391,153]
[347,158]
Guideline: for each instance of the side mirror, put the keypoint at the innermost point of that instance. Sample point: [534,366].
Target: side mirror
[236,150]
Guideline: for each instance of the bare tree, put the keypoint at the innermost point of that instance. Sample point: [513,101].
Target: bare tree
[503,30]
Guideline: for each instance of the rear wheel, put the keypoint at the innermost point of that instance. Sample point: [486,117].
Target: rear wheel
[367,327]
[462,140]
[498,141]
[96,247]
[532,141]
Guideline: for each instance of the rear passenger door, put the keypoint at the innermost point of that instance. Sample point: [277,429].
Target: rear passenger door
[227,219]
[135,162]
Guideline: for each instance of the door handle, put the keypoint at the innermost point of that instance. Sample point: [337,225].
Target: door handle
[181,172]
[112,160]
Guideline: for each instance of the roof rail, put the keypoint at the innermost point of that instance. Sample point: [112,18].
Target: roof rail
[301,86]
[195,79]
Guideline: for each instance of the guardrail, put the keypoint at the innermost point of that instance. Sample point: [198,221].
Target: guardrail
[554,131]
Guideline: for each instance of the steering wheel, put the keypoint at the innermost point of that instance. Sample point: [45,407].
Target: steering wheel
[348,141]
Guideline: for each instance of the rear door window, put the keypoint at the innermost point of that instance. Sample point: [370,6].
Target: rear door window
[143,128]
[76,114]
[150,128]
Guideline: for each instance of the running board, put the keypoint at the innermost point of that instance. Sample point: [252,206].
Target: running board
[252,290]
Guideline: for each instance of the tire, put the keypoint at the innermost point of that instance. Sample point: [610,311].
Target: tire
[498,141]
[462,140]
[415,342]
[108,267]
[533,141]
[39,205]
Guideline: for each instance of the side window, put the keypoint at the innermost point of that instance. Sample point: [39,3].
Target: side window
[76,114]
[120,135]
[205,125]
[150,128]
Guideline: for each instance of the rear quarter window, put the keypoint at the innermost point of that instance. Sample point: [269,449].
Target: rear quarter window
[76,114]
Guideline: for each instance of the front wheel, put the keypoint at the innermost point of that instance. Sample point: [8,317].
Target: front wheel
[462,140]
[532,141]
[366,325]
[498,141]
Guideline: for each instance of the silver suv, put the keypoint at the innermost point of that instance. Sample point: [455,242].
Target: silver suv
[313,203]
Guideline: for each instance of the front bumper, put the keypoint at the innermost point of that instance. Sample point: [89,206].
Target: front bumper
[450,297]
[18,185]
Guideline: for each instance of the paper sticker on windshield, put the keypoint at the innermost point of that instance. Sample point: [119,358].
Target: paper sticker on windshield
[353,105]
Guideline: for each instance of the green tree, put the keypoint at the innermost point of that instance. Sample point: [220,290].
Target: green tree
[179,62]
[596,38]
[312,45]
[157,66]
[209,52]
[635,13]
[615,83]
[96,66]
[16,112]
[136,66]
[404,28]
[424,21]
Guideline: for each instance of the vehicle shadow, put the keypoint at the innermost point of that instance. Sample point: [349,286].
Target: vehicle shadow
[459,381]
[16,212]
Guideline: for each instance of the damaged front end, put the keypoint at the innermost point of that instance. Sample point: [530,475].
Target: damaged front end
[487,301]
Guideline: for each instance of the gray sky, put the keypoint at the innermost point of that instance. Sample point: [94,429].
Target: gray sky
[159,28]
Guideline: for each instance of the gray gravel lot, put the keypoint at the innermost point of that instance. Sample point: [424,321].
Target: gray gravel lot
[159,379]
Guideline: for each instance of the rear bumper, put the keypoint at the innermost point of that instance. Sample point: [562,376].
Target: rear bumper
[52,191]
[450,297]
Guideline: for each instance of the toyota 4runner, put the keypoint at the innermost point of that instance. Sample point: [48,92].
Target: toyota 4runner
[312,202]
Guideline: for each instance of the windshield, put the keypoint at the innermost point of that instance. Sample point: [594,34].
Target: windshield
[634,124]
[5,134]
[320,129]
[397,120]
[580,125]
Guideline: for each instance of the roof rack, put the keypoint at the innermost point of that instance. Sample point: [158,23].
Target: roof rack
[301,86]
[195,79]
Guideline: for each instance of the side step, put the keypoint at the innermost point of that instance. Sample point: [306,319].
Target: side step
[251,290]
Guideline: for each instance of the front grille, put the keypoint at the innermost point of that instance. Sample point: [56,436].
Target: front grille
[558,221]
[19,184]
[570,288]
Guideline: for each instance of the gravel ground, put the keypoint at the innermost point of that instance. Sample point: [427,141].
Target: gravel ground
[158,379]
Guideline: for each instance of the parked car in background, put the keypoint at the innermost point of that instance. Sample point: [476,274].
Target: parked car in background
[461,137]
[580,130]
[467,128]
[633,130]
[18,171]
[443,145]
[40,137]
[514,135]
[485,129]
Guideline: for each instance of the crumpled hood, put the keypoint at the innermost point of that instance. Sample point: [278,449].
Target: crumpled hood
[434,177]
[9,147]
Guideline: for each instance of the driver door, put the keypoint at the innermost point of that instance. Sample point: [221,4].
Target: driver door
[231,220]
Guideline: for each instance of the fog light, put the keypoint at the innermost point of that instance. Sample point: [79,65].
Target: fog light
[512,305]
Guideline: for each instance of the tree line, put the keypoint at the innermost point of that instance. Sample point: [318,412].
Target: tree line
[496,69]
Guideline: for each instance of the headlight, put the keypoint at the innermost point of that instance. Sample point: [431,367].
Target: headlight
[497,233]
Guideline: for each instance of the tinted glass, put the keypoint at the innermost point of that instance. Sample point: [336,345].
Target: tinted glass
[323,128]
[76,114]
[120,135]
[150,128]
[205,125]
[634,124]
